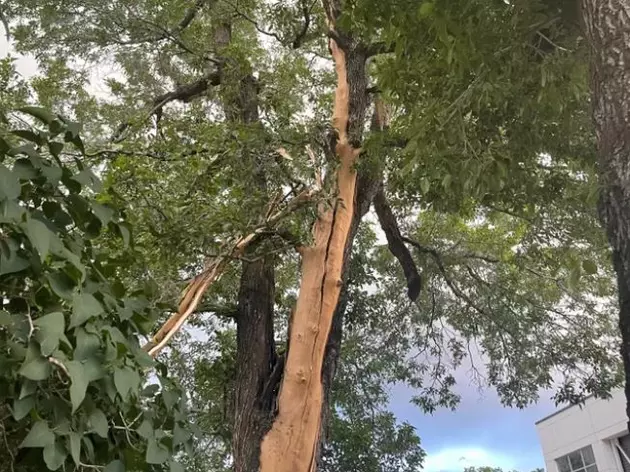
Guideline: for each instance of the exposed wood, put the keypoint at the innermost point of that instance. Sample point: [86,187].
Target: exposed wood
[607,28]
[291,444]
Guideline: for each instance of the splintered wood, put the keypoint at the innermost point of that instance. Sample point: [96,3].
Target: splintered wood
[291,444]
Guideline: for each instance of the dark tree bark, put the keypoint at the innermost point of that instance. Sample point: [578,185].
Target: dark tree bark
[607,28]
[255,385]
[255,360]
[396,244]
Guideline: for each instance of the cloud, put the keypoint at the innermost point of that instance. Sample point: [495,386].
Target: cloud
[457,458]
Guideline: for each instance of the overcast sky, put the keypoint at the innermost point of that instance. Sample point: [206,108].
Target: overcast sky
[480,433]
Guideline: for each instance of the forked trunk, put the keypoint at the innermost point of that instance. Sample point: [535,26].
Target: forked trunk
[607,27]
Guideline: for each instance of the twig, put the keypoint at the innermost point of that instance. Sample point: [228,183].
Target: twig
[31,327]
[59,364]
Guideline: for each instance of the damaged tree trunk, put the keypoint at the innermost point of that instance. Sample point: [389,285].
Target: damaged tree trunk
[292,443]
[607,27]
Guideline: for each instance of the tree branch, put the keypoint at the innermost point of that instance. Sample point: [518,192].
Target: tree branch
[214,269]
[184,93]
[396,244]
[380,47]
[437,257]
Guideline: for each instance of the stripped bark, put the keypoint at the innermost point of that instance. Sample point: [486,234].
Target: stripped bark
[291,444]
[607,28]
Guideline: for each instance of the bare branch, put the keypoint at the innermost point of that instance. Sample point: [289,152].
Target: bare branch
[184,93]
[380,47]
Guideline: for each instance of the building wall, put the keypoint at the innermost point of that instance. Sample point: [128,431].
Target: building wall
[595,423]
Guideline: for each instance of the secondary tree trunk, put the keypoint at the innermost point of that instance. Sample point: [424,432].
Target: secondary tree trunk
[255,359]
[607,28]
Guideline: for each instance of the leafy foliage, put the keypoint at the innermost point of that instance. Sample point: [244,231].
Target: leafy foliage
[73,374]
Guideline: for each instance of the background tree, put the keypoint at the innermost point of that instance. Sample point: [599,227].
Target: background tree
[606,28]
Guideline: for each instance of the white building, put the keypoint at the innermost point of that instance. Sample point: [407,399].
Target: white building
[592,437]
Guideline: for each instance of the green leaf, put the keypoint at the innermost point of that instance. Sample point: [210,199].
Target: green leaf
[9,184]
[40,435]
[84,307]
[157,453]
[180,435]
[22,407]
[126,381]
[115,466]
[24,170]
[55,148]
[75,447]
[176,467]
[426,9]
[93,369]
[88,179]
[146,429]
[54,455]
[87,345]
[13,264]
[28,388]
[574,278]
[170,398]
[28,135]
[50,329]
[61,284]
[79,383]
[52,173]
[40,236]
[5,318]
[102,212]
[125,233]
[589,267]
[40,113]
[35,367]
[425,185]
[98,420]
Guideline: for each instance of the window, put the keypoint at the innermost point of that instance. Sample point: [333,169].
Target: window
[581,460]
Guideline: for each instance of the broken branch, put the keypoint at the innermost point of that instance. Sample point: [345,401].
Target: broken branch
[200,284]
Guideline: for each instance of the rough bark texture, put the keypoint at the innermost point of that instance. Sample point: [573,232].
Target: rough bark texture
[607,27]
[254,388]
[396,244]
[291,444]
[255,358]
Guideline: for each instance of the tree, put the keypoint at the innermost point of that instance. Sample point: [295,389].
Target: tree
[606,28]
[478,160]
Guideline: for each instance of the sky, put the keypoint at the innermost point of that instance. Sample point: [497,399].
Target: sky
[481,432]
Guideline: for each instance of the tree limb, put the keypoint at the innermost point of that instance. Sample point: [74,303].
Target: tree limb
[396,244]
[213,271]
[184,93]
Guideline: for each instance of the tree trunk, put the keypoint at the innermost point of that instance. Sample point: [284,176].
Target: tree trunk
[607,28]
[255,359]
[292,443]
